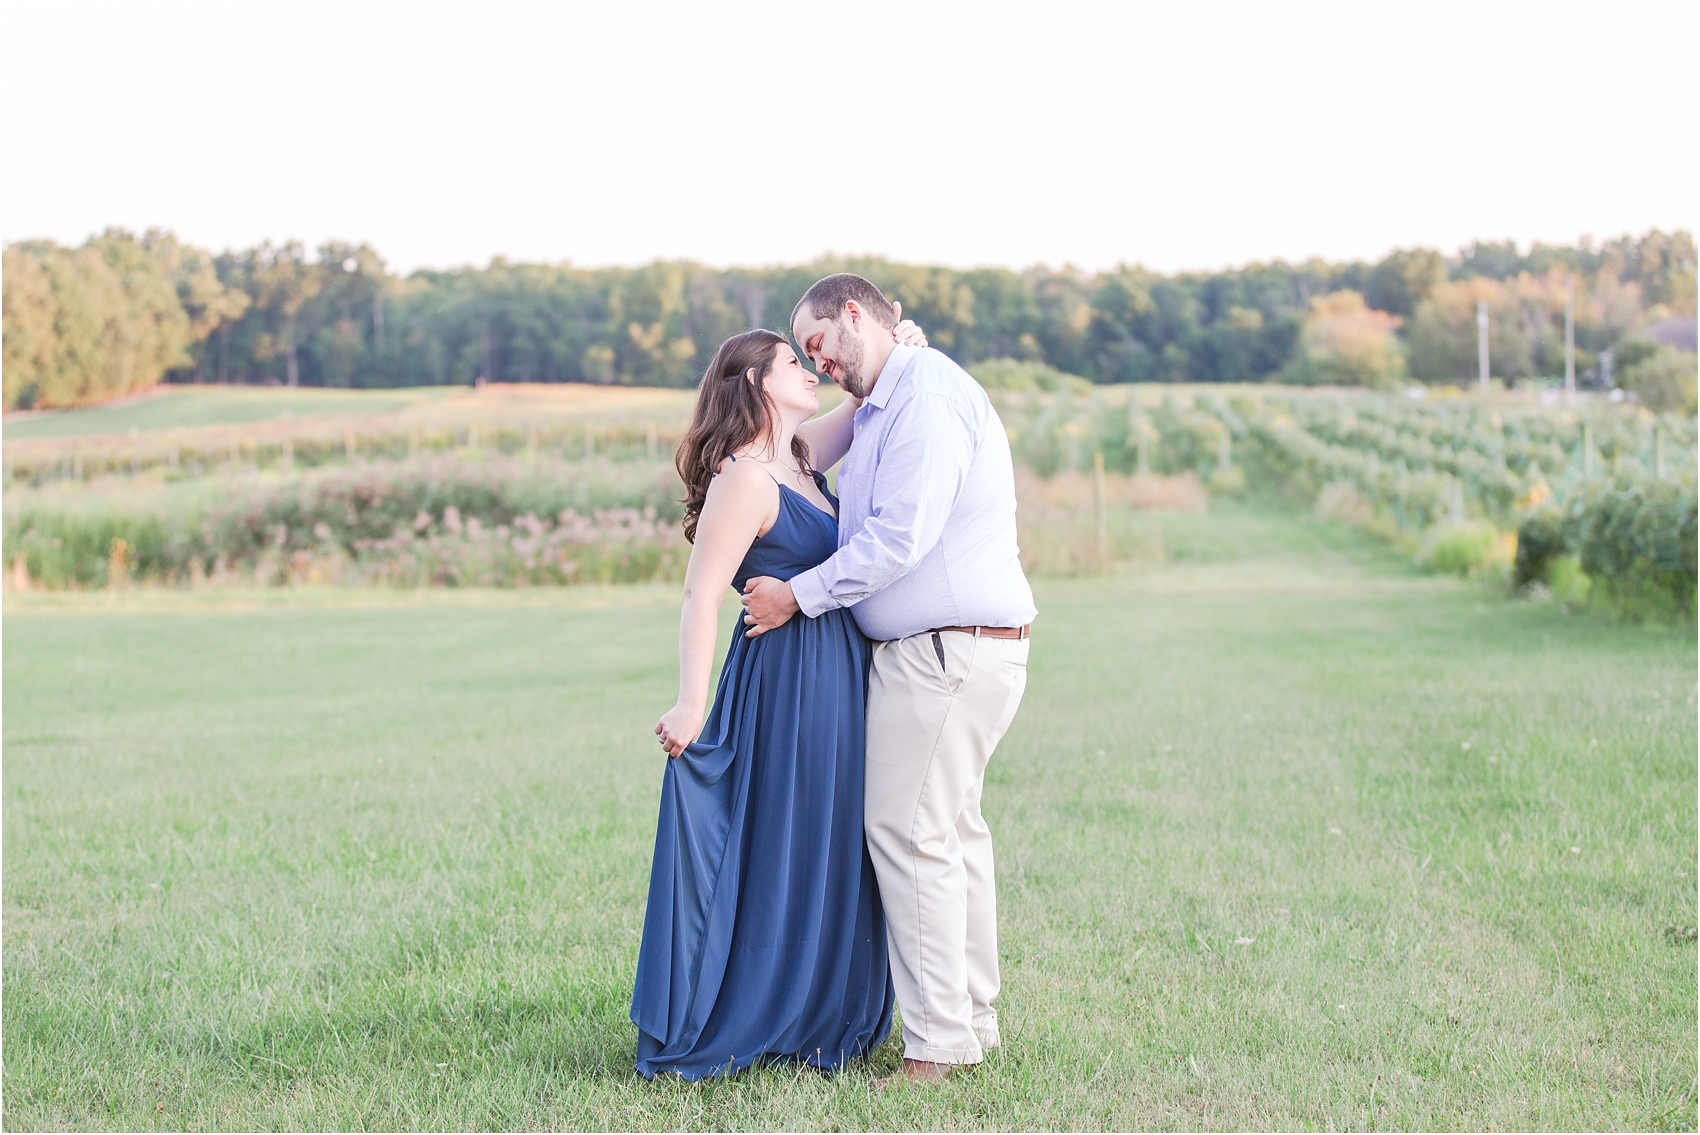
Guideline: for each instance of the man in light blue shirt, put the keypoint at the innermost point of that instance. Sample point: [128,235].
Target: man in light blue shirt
[927,562]
[926,528]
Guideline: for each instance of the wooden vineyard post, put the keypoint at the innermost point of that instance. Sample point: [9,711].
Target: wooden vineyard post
[1139,431]
[1570,338]
[1099,506]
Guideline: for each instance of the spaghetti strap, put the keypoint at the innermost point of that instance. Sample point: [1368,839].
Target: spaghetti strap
[820,482]
[734,457]
[763,468]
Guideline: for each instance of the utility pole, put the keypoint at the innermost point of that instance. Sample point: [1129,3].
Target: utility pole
[1570,338]
[1482,341]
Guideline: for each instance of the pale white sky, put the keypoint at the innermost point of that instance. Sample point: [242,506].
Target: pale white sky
[1176,135]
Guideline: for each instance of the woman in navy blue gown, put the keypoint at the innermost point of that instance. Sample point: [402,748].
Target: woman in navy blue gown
[764,939]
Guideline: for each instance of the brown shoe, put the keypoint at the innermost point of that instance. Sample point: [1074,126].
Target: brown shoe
[917,1072]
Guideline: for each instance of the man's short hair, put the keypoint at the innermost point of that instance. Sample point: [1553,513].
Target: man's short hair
[827,297]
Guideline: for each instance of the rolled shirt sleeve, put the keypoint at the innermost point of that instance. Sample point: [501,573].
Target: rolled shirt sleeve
[918,474]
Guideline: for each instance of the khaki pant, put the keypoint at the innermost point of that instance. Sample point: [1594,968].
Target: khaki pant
[932,726]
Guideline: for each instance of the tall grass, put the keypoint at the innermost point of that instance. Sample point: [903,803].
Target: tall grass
[1452,482]
[1077,524]
[454,519]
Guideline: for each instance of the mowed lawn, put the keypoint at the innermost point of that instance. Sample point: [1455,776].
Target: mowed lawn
[190,407]
[185,408]
[1309,844]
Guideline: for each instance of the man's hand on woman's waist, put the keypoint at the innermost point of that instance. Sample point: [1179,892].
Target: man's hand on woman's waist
[768,603]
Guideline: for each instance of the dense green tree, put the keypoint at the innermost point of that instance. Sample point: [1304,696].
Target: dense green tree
[335,316]
[1403,280]
[83,325]
[1347,343]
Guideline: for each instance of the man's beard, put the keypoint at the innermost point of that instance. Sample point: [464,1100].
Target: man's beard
[848,364]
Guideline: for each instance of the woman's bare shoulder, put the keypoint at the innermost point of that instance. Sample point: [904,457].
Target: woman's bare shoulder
[740,481]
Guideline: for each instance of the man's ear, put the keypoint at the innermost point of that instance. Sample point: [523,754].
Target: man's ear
[854,311]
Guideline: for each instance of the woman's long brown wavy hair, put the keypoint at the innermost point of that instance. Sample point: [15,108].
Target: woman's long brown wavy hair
[731,412]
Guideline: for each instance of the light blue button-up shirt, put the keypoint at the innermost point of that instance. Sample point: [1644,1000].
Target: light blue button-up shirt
[926,512]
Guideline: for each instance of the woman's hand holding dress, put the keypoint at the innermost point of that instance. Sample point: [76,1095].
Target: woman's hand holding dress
[678,727]
[741,503]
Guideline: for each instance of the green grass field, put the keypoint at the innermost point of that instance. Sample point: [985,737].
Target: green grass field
[183,410]
[190,407]
[1288,838]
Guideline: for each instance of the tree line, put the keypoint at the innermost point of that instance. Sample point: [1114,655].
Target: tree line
[123,312]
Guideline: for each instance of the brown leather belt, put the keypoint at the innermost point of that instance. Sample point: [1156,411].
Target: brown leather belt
[989,632]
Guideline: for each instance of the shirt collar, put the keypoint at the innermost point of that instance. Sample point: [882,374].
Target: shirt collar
[891,375]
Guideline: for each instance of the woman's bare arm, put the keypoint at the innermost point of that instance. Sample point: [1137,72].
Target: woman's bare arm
[741,504]
[828,436]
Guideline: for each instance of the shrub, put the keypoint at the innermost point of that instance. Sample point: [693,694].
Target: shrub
[1345,505]
[1469,547]
[1540,540]
[1569,583]
[1635,538]
[1227,481]
[1663,379]
[1631,538]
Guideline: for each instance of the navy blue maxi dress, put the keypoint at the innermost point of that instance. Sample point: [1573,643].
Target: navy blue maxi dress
[764,938]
